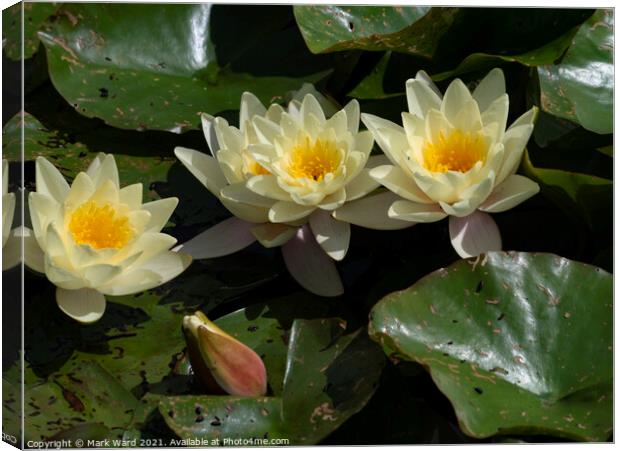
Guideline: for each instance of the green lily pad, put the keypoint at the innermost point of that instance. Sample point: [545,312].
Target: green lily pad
[35,14]
[319,373]
[87,399]
[158,67]
[206,419]
[588,195]
[414,30]
[330,375]
[580,88]
[145,158]
[547,54]
[519,343]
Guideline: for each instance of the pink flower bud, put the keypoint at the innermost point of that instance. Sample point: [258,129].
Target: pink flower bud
[221,362]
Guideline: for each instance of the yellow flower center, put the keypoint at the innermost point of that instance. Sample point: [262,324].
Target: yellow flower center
[251,166]
[458,151]
[100,226]
[313,159]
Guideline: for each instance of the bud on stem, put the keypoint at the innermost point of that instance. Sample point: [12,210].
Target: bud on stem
[220,361]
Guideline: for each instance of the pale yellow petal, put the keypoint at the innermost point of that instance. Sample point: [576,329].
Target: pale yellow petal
[331,234]
[397,181]
[50,181]
[491,87]
[273,235]
[283,211]
[160,211]
[84,305]
[415,212]
[204,167]
[510,193]
[371,212]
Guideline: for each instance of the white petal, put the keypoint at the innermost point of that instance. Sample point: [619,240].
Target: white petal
[228,137]
[34,257]
[310,106]
[106,171]
[239,192]
[334,200]
[421,97]
[436,123]
[250,107]
[62,277]
[209,132]
[374,124]
[94,165]
[515,140]
[8,213]
[12,249]
[526,118]
[106,192]
[474,234]
[460,208]
[497,113]
[267,186]
[231,164]
[456,97]
[423,77]
[204,167]
[371,212]
[227,237]
[160,211]
[480,191]
[55,246]
[353,116]
[397,144]
[360,186]
[5,176]
[100,274]
[331,234]
[250,213]
[490,88]
[50,181]
[283,211]
[274,112]
[328,106]
[273,235]
[265,129]
[364,142]
[131,282]
[397,181]
[415,212]
[84,305]
[510,193]
[131,196]
[338,122]
[81,190]
[139,219]
[437,189]
[43,210]
[146,246]
[263,153]
[468,119]
[310,266]
[168,265]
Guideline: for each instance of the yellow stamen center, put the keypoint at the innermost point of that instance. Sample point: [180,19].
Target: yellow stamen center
[314,159]
[251,166]
[458,151]
[100,226]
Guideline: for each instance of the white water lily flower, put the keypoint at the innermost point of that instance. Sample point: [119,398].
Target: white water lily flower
[241,176]
[10,239]
[99,239]
[452,157]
